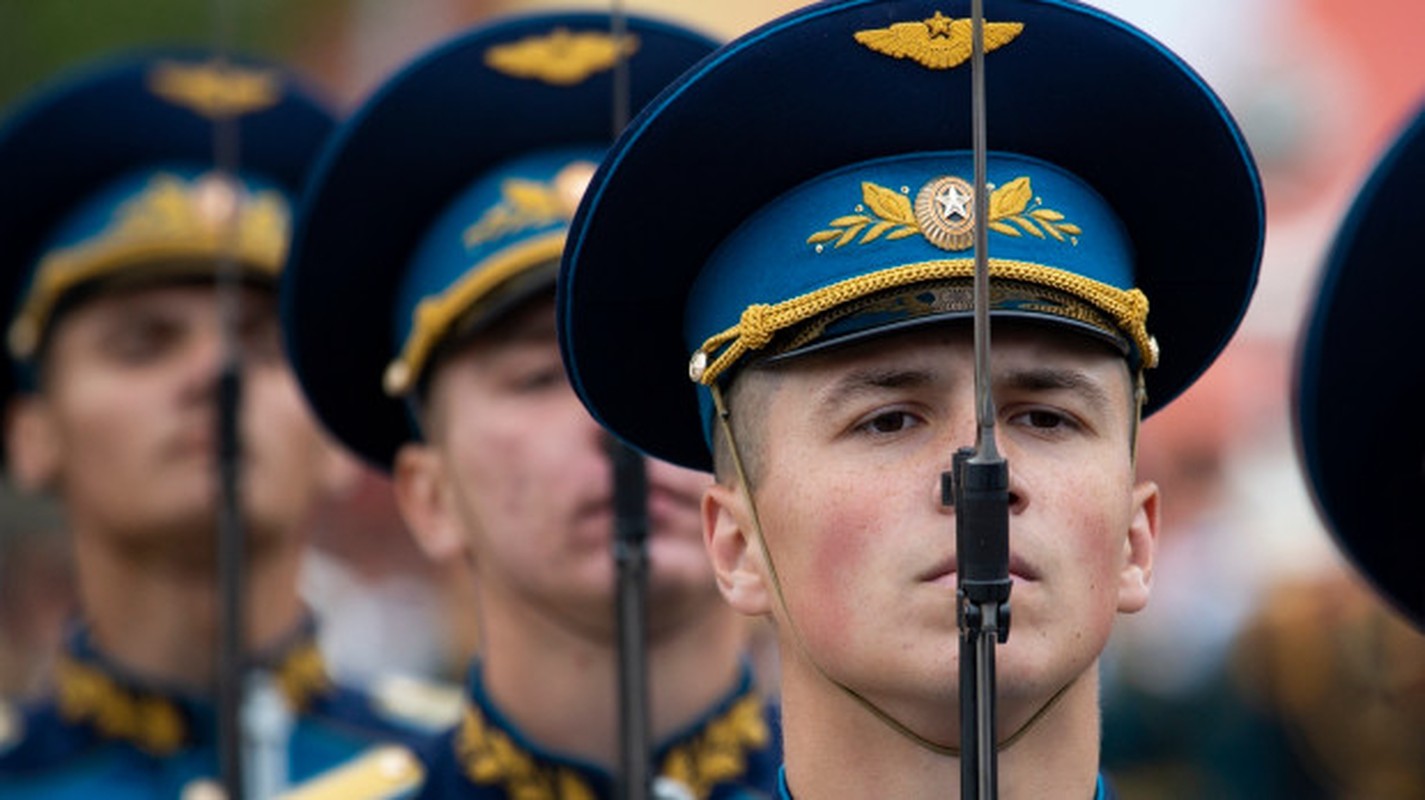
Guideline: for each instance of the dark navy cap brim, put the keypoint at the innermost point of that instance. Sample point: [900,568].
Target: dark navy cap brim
[796,99]
[425,135]
[102,120]
[1360,383]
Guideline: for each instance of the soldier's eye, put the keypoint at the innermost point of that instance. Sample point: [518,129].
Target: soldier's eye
[139,341]
[889,422]
[1044,420]
[534,380]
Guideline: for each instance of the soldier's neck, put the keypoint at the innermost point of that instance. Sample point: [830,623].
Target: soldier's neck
[829,740]
[159,618]
[560,689]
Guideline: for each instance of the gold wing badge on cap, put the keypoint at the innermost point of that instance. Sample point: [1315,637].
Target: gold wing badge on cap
[213,91]
[561,58]
[939,42]
[944,213]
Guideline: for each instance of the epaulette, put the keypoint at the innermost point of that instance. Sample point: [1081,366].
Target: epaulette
[385,772]
[427,705]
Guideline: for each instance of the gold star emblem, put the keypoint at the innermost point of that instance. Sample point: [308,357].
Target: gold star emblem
[945,210]
[940,25]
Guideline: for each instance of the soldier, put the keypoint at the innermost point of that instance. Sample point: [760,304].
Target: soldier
[419,316]
[114,224]
[1340,672]
[1355,392]
[791,230]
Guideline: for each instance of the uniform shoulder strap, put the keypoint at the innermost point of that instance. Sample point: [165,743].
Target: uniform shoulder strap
[385,772]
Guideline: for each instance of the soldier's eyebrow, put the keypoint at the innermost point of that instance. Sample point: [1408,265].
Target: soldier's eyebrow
[860,382]
[1044,379]
[537,328]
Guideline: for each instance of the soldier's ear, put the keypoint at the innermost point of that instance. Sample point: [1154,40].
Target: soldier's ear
[32,444]
[728,534]
[1135,577]
[423,495]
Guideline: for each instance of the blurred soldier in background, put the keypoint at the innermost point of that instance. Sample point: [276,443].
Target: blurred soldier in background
[114,226]
[1347,676]
[418,311]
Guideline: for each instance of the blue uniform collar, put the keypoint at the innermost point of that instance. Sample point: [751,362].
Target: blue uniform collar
[728,745]
[93,692]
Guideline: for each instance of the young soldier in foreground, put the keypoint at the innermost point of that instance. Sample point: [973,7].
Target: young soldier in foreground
[419,315]
[792,230]
[111,219]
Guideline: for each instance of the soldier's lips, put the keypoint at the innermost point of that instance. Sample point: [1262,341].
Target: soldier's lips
[669,511]
[197,444]
[947,571]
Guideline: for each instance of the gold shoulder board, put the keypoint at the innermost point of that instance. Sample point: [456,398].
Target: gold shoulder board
[385,772]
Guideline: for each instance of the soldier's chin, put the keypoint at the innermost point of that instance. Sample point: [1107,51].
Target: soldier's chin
[190,536]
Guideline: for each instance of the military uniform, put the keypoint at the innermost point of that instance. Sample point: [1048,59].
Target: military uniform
[830,204]
[733,752]
[440,206]
[107,178]
[106,733]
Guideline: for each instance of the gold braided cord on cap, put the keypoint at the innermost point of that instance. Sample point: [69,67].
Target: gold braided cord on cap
[171,220]
[435,314]
[760,322]
[724,422]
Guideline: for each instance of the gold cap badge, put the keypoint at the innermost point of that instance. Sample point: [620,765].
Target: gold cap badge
[944,213]
[936,43]
[215,92]
[526,204]
[945,209]
[561,58]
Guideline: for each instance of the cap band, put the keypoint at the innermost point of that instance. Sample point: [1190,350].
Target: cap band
[1127,309]
[170,218]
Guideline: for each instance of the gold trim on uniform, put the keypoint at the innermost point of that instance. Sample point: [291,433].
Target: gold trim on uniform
[717,753]
[213,91]
[560,57]
[152,722]
[939,42]
[490,757]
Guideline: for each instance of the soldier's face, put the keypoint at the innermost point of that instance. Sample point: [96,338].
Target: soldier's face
[853,446]
[127,412]
[530,482]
